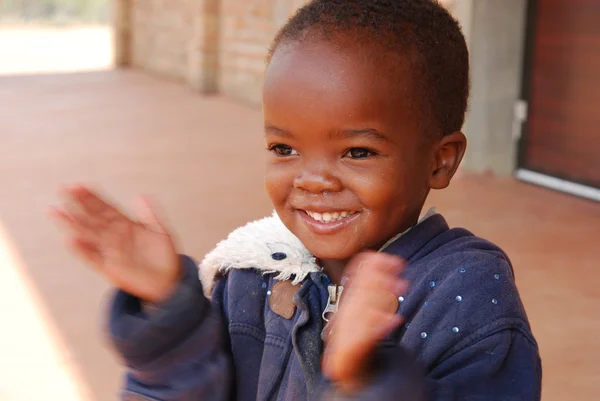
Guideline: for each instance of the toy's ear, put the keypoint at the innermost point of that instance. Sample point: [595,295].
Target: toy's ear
[278,245]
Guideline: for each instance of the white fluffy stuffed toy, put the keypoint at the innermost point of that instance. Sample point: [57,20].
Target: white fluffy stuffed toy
[265,245]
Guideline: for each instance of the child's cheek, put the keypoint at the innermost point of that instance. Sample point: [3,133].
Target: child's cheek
[277,184]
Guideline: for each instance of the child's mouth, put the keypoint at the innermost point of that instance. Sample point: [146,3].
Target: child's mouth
[329,217]
[328,223]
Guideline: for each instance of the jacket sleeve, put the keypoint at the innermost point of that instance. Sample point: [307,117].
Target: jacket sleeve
[503,366]
[176,352]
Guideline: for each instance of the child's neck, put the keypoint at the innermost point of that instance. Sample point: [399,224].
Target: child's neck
[334,269]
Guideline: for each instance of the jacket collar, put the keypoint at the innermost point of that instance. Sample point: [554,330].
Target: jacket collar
[268,246]
[413,240]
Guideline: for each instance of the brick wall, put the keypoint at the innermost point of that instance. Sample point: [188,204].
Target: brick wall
[212,45]
[247,28]
[161,32]
[177,39]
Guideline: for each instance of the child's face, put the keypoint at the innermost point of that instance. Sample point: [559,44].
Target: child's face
[349,166]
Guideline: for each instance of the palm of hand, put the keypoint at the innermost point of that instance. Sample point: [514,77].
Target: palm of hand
[367,314]
[138,257]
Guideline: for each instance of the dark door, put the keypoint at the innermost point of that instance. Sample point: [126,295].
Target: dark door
[562,87]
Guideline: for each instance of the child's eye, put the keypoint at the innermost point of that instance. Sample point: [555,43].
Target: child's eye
[282,150]
[360,153]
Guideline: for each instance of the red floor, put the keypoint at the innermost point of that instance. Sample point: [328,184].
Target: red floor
[201,159]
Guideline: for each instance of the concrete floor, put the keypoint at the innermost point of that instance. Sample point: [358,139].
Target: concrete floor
[200,158]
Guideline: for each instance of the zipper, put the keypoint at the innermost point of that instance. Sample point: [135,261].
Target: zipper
[333,301]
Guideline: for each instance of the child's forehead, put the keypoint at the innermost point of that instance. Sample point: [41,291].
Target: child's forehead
[348,68]
[322,87]
[345,49]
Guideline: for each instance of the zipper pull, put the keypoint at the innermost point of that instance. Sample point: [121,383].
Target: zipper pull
[333,300]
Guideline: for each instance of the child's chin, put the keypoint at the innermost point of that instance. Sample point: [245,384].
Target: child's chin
[331,250]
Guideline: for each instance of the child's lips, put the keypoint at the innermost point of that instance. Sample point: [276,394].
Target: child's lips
[322,227]
[327,217]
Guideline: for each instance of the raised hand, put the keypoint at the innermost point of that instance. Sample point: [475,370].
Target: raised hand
[367,314]
[138,257]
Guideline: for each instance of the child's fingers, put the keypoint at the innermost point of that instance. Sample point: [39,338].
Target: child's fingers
[352,340]
[88,199]
[86,251]
[383,324]
[62,218]
[372,327]
[73,218]
[392,287]
[368,262]
[148,215]
[362,301]
[384,281]
[94,218]
[91,204]
[374,280]
[116,242]
[70,222]
[77,210]
[78,213]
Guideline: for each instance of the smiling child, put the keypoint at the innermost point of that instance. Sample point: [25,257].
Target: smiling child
[360,295]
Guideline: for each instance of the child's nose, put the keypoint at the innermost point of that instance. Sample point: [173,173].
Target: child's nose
[317,180]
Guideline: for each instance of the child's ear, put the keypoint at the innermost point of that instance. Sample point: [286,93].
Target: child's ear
[449,152]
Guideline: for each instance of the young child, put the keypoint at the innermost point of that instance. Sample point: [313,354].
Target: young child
[344,293]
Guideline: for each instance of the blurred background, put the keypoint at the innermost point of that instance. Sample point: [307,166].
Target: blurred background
[162,97]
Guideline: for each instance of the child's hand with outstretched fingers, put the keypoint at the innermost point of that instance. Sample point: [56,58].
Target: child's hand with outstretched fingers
[367,314]
[139,257]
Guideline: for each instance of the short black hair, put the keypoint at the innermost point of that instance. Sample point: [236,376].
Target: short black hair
[424,27]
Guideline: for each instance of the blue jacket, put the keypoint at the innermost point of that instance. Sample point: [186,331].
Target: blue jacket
[466,335]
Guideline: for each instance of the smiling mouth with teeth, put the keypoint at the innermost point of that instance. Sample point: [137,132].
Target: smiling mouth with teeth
[329,217]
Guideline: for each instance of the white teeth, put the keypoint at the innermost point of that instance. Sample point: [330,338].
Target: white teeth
[329,217]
